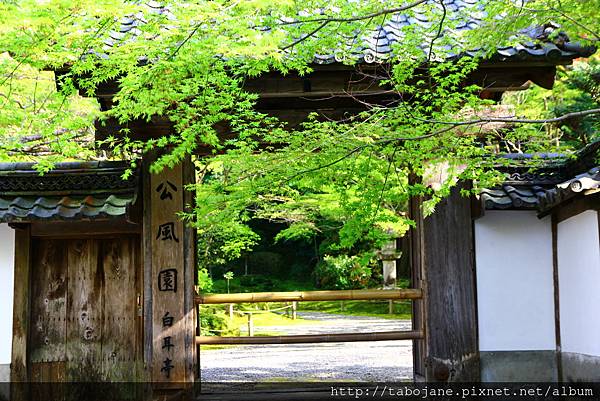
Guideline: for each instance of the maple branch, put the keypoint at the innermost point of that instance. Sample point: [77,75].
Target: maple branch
[357,18]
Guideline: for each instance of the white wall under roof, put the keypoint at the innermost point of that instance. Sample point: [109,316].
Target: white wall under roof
[515,281]
[578,248]
[7,254]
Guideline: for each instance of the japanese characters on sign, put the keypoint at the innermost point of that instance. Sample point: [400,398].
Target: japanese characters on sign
[167,267]
[167,280]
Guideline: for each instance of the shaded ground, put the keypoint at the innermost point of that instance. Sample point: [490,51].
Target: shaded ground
[389,361]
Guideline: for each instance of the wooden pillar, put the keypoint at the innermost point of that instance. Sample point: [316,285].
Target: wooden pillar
[444,268]
[415,237]
[169,290]
[21,312]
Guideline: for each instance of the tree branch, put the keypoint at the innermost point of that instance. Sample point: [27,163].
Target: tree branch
[308,35]
[327,20]
[357,18]
[484,120]
[439,31]
[452,125]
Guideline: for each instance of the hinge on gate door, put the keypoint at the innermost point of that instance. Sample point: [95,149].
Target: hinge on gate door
[139,305]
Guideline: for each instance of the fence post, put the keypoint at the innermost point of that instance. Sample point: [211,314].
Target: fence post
[294,309]
[250,325]
[391,307]
[231,311]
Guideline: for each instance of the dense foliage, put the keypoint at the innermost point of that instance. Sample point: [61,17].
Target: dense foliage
[576,89]
[190,64]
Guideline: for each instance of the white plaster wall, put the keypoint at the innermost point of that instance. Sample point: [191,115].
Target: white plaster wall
[578,249]
[7,252]
[515,281]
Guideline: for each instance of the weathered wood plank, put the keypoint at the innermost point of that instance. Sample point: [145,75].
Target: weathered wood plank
[46,379]
[450,304]
[169,321]
[119,331]
[48,305]
[78,230]
[21,315]
[146,255]
[84,311]
[418,310]
[190,271]
[21,306]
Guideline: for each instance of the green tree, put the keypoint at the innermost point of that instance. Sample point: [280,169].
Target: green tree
[188,62]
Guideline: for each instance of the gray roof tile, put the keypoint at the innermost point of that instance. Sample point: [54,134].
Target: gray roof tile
[512,197]
[566,190]
[72,191]
[559,180]
[33,208]
[377,46]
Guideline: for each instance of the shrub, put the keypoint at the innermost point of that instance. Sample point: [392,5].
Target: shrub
[343,272]
[215,322]
[205,282]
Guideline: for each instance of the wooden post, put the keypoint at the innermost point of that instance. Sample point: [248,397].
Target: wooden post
[230,311]
[391,307]
[21,313]
[172,259]
[294,309]
[444,268]
[250,325]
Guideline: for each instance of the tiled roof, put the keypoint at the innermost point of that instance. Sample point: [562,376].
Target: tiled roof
[376,46]
[557,181]
[73,177]
[464,15]
[512,197]
[582,183]
[520,190]
[30,208]
[72,191]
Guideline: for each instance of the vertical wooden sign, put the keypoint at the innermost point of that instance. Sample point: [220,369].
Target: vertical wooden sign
[169,320]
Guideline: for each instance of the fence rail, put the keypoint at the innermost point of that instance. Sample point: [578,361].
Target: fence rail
[342,295]
[312,338]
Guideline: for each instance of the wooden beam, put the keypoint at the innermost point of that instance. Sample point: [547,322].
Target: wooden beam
[308,296]
[146,254]
[81,229]
[189,278]
[556,282]
[327,94]
[21,311]
[313,338]
[574,206]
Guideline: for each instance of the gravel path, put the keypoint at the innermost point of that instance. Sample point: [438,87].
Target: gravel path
[388,361]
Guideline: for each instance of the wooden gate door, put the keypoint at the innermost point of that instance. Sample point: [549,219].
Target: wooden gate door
[444,267]
[85,310]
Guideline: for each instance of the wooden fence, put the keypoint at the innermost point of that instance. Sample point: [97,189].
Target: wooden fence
[412,294]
